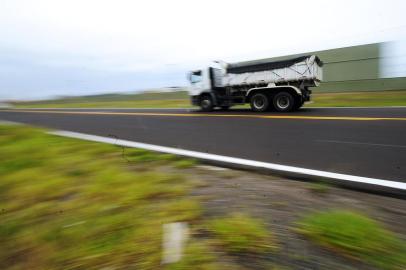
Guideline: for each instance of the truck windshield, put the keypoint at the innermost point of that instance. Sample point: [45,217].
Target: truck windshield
[196,76]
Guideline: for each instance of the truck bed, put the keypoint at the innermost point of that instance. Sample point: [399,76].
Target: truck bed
[304,68]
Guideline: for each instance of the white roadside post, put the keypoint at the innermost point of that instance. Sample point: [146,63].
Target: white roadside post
[174,238]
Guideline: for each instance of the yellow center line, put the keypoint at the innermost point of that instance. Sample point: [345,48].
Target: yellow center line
[350,118]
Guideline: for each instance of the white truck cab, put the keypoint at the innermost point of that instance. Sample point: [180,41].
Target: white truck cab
[199,82]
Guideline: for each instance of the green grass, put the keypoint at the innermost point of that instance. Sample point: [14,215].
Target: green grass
[176,99]
[173,103]
[200,256]
[71,204]
[357,236]
[185,163]
[240,233]
[362,99]
[319,187]
[180,99]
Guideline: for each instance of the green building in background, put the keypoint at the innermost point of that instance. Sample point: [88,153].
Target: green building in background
[356,68]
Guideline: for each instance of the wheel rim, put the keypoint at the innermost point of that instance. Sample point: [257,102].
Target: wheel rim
[283,102]
[206,103]
[259,102]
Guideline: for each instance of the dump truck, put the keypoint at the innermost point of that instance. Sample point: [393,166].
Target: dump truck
[282,86]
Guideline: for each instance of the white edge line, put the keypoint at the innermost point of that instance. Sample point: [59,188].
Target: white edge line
[232,160]
[5,122]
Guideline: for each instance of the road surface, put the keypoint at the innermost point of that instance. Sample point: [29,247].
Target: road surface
[362,141]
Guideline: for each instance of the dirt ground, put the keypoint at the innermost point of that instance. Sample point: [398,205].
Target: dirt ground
[282,202]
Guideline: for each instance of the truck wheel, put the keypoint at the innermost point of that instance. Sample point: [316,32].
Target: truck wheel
[206,103]
[283,102]
[259,102]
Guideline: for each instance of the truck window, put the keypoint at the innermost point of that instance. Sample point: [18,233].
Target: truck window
[196,76]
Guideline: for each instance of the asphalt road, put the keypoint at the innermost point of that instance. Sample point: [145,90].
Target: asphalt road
[362,142]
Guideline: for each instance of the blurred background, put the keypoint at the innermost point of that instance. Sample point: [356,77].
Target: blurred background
[66,48]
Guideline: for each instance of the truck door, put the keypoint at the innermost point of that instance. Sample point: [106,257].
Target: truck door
[215,75]
[196,82]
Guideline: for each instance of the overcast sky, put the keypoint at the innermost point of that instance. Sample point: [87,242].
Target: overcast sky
[57,47]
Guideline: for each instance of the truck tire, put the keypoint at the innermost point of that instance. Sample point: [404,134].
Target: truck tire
[259,102]
[206,103]
[283,102]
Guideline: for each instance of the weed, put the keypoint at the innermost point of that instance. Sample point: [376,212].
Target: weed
[185,163]
[240,233]
[319,187]
[355,235]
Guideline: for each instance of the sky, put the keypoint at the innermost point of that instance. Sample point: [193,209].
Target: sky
[54,48]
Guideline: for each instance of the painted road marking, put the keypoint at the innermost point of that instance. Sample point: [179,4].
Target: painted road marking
[348,118]
[3,122]
[235,161]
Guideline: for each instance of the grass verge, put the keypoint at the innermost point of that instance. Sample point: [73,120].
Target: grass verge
[170,103]
[359,99]
[181,100]
[357,236]
[320,188]
[176,99]
[240,233]
[71,204]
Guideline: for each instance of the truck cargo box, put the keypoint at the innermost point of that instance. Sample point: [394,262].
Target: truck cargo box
[265,72]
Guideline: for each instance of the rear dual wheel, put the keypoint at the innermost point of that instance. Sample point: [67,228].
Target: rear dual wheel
[284,102]
[259,102]
[281,102]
